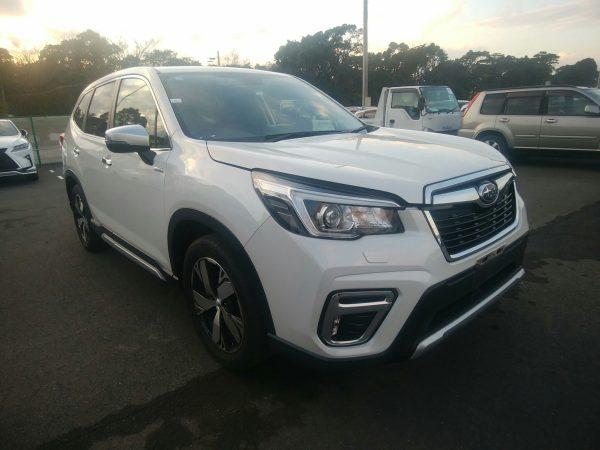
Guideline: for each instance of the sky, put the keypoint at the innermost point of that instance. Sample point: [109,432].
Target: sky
[255,29]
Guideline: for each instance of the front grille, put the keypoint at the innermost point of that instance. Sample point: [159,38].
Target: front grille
[6,163]
[466,225]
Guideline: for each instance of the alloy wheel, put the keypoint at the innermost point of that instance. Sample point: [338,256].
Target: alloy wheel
[493,143]
[83,225]
[217,305]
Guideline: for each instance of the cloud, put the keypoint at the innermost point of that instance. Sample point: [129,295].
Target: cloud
[556,17]
[12,8]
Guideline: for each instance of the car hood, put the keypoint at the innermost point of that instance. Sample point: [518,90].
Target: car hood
[401,162]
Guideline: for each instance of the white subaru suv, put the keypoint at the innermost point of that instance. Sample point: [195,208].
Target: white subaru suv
[289,223]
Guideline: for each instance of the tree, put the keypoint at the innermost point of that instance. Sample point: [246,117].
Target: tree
[582,73]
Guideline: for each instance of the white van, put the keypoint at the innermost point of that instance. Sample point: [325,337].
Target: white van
[423,108]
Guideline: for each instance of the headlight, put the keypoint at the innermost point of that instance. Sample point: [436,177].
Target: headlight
[21,146]
[309,210]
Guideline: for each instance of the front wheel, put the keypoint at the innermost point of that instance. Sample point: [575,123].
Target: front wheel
[224,300]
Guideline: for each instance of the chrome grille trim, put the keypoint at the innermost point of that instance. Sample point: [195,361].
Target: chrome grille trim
[505,206]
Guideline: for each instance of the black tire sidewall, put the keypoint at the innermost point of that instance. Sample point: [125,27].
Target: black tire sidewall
[249,296]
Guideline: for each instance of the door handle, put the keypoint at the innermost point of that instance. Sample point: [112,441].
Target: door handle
[107,161]
[76,151]
[504,119]
[550,120]
[392,121]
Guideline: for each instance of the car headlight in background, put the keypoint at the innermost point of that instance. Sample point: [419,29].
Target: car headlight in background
[24,146]
[323,213]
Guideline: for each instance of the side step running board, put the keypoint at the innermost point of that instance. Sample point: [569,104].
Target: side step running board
[132,256]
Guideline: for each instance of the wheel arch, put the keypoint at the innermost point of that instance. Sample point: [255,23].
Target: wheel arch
[504,135]
[70,181]
[187,225]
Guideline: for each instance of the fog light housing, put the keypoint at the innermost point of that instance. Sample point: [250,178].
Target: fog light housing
[352,317]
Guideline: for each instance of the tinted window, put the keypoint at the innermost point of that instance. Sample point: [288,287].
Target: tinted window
[523,104]
[7,128]
[136,106]
[492,104]
[97,118]
[79,113]
[567,103]
[407,100]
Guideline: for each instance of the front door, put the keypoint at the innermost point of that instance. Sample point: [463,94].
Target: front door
[522,115]
[137,179]
[403,110]
[566,125]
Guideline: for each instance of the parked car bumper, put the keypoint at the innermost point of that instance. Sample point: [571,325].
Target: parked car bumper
[432,296]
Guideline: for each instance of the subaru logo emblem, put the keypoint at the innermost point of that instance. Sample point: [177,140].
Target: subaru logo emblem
[488,192]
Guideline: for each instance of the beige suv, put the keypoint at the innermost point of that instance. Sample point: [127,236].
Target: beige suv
[545,117]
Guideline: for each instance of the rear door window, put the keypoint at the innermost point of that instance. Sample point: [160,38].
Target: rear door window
[99,113]
[81,110]
[567,103]
[492,104]
[523,104]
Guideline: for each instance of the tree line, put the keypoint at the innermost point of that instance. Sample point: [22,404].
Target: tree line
[48,82]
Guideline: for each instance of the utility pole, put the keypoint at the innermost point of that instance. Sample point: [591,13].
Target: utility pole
[366,101]
[218,59]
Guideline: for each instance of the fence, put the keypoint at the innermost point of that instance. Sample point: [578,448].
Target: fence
[43,135]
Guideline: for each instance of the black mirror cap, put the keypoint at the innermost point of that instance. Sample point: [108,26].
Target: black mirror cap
[24,133]
[124,147]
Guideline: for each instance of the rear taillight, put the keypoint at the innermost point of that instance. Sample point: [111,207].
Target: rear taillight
[61,139]
[470,103]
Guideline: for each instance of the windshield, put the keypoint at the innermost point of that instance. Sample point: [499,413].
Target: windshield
[252,106]
[7,128]
[594,93]
[439,99]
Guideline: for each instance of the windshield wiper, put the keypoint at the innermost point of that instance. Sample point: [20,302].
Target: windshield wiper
[297,134]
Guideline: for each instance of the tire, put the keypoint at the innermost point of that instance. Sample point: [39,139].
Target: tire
[224,298]
[88,237]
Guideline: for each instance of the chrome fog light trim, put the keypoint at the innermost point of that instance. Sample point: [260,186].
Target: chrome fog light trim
[370,304]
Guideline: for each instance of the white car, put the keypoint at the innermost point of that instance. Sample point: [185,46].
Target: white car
[288,222]
[16,155]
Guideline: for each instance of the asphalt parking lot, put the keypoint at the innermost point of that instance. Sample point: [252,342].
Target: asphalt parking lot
[97,353]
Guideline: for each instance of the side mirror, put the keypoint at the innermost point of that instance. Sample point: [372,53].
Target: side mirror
[24,133]
[421,104]
[592,109]
[127,139]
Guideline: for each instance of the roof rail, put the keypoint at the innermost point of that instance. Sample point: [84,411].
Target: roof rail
[541,86]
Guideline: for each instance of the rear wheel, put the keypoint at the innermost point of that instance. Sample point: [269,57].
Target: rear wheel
[224,301]
[90,240]
[495,141]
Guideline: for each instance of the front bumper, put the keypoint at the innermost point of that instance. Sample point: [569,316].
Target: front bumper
[299,273]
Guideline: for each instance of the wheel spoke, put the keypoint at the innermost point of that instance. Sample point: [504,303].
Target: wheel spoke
[225,290]
[216,329]
[201,302]
[206,279]
[234,325]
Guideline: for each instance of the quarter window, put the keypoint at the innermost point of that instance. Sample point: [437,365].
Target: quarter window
[523,104]
[80,111]
[567,103]
[97,118]
[136,106]
[492,104]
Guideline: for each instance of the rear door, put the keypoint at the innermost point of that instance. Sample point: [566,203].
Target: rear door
[566,125]
[135,180]
[522,116]
[92,149]
[403,110]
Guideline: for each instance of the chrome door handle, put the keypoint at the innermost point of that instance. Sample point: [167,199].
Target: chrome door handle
[551,120]
[107,161]
[504,119]
[76,151]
